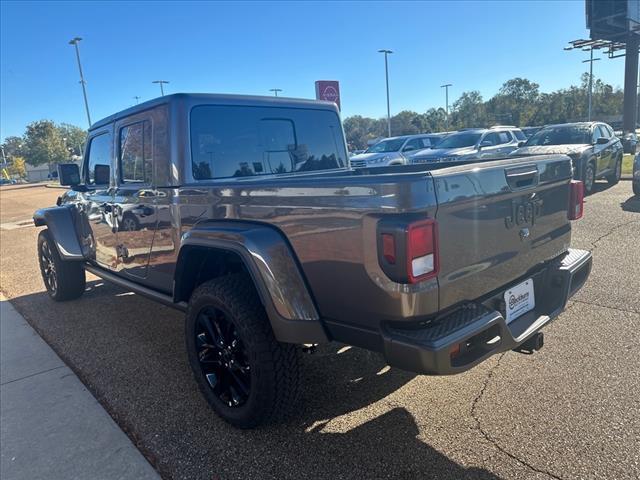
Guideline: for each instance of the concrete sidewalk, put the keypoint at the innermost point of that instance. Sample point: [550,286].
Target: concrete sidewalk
[51,427]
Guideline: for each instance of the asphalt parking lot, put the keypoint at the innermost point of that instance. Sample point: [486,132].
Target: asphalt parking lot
[571,411]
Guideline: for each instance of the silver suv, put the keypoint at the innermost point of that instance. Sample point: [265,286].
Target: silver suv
[472,144]
[394,150]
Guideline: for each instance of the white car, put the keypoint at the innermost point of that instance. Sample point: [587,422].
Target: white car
[394,150]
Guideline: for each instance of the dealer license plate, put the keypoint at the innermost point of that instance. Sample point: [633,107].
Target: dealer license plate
[519,300]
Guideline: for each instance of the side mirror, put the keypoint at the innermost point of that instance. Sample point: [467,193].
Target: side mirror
[602,141]
[102,175]
[485,143]
[69,174]
[521,144]
[408,148]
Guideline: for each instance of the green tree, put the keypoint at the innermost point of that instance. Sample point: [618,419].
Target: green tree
[468,111]
[12,147]
[73,138]
[43,144]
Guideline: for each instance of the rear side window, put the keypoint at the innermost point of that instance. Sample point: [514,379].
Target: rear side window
[492,137]
[234,141]
[519,135]
[100,159]
[504,137]
[135,153]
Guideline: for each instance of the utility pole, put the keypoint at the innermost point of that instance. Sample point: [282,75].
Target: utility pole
[386,73]
[74,41]
[275,91]
[590,62]
[446,104]
[136,98]
[160,82]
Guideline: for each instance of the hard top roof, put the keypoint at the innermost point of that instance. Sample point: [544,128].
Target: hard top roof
[217,99]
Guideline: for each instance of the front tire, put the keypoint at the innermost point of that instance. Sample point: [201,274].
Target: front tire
[589,177]
[63,280]
[614,178]
[246,375]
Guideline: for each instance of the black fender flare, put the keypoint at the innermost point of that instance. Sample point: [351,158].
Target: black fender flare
[274,270]
[63,223]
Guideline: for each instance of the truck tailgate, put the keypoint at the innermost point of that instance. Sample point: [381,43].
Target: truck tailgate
[498,220]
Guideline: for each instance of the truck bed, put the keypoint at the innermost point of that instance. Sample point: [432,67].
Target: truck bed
[330,219]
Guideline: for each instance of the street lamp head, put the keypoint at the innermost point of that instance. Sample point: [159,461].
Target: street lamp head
[74,41]
[385,51]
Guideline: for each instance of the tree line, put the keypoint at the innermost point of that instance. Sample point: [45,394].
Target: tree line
[518,102]
[43,142]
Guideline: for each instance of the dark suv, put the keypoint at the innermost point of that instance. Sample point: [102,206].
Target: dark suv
[595,150]
[243,213]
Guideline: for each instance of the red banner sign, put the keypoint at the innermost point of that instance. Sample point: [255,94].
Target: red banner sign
[328,90]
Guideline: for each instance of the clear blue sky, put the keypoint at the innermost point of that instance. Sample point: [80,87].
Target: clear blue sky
[249,48]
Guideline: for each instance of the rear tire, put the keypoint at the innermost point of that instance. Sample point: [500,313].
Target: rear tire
[63,280]
[617,173]
[246,375]
[589,177]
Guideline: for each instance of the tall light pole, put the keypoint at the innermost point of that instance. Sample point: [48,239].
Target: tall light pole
[137,98]
[446,101]
[160,82]
[590,61]
[275,91]
[386,73]
[74,41]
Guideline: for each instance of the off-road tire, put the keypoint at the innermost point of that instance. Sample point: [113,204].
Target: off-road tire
[274,366]
[69,278]
[617,173]
[589,169]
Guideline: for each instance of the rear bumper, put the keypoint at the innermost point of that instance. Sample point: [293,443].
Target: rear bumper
[479,328]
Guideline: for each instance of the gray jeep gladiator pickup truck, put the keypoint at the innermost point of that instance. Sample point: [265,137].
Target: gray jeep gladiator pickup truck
[244,213]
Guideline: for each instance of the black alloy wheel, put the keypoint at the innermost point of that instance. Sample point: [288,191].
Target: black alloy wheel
[48,269]
[223,358]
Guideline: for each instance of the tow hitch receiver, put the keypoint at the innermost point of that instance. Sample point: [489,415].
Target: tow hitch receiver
[535,343]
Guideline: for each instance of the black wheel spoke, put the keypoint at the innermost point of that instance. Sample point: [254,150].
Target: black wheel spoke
[222,357]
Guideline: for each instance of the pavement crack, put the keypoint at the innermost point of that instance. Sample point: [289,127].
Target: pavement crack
[32,375]
[486,434]
[594,244]
[594,304]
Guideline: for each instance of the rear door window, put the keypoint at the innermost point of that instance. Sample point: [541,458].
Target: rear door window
[135,153]
[492,138]
[519,135]
[235,141]
[413,144]
[504,137]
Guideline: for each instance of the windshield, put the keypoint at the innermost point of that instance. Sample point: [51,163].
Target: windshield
[459,140]
[565,135]
[386,146]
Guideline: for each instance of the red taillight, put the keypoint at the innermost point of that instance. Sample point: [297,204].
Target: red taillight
[422,250]
[576,200]
[389,248]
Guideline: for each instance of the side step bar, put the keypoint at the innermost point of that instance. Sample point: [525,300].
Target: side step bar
[136,288]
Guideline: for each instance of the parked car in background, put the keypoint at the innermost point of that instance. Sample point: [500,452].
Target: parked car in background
[355,152]
[394,150]
[630,142]
[529,131]
[595,151]
[472,144]
[636,175]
